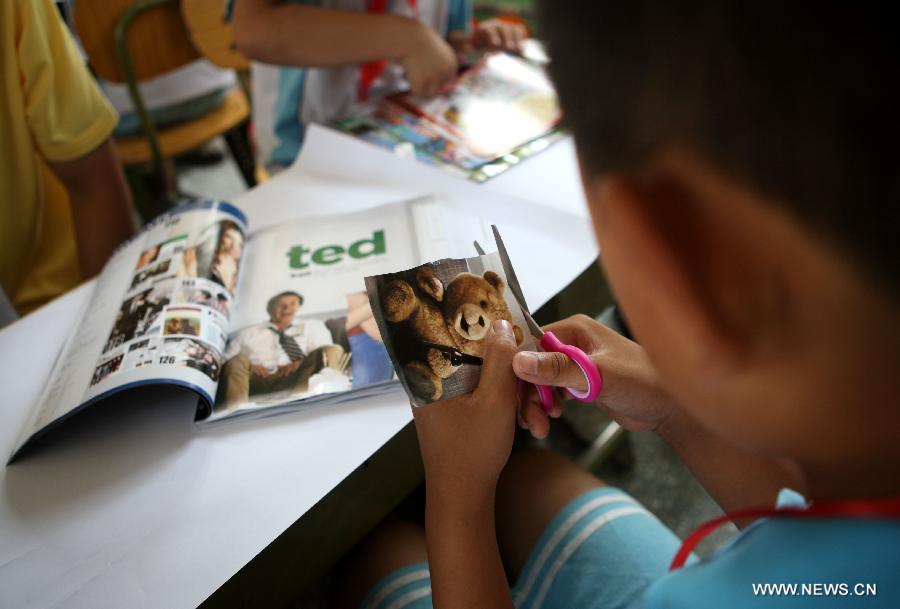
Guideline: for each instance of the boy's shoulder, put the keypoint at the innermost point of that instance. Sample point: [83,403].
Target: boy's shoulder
[815,562]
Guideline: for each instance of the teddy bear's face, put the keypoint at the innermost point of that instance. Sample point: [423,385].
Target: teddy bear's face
[471,304]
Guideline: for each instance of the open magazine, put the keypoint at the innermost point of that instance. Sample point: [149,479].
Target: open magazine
[253,322]
[499,111]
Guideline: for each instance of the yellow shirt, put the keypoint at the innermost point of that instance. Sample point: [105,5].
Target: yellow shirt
[50,110]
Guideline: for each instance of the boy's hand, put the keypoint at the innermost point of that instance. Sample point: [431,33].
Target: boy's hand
[429,62]
[631,392]
[499,35]
[466,441]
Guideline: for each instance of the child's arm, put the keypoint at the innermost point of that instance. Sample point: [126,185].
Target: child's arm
[100,202]
[465,443]
[308,36]
[633,396]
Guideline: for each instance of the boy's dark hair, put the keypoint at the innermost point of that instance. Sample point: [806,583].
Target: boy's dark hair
[799,101]
[270,306]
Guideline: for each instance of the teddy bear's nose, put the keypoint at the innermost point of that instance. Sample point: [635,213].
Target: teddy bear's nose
[471,322]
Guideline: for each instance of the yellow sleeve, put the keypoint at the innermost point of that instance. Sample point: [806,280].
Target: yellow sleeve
[67,113]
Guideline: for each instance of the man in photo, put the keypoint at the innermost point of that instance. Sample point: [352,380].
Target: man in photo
[220,304]
[279,355]
[155,303]
[127,319]
[201,297]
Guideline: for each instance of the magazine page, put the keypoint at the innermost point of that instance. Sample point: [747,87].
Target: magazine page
[159,313]
[499,112]
[434,318]
[499,104]
[391,126]
[303,329]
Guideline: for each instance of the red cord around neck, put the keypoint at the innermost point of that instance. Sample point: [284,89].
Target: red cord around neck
[861,508]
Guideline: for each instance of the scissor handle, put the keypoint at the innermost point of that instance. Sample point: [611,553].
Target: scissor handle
[592,375]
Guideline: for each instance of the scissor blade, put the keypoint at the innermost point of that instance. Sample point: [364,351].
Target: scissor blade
[511,278]
[533,326]
[478,248]
[513,283]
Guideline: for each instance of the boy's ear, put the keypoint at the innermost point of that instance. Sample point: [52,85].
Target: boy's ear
[663,256]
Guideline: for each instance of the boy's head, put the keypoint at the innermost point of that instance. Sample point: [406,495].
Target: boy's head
[739,161]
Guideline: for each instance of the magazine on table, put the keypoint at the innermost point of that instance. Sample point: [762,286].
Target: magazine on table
[253,322]
[499,111]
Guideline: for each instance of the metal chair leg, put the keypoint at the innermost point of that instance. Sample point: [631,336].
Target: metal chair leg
[238,140]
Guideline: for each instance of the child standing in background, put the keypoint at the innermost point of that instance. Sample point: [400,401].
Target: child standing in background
[326,56]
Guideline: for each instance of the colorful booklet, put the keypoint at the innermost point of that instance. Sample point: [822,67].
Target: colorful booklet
[252,322]
[499,111]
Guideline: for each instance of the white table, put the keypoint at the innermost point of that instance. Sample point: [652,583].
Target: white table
[132,506]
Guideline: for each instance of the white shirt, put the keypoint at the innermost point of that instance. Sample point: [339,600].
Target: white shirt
[187,82]
[261,343]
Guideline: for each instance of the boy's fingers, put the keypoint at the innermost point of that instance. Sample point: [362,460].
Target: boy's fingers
[505,37]
[499,349]
[515,43]
[548,369]
[521,33]
[558,397]
[579,330]
[535,418]
[510,41]
[521,420]
[495,37]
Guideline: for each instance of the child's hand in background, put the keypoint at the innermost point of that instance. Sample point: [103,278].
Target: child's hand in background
[429,62]
[631,392]
[466,441]
[499,35]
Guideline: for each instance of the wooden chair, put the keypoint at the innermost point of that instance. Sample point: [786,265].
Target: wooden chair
[210,30]
[128,41]
[212,33]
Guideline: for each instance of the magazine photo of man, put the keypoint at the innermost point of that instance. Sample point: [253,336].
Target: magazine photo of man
[135,316]
[279,355]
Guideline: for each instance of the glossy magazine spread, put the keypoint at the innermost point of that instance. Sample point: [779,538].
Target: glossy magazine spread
[252,322]
[499,111]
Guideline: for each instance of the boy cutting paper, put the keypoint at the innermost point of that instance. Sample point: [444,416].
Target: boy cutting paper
[739,162]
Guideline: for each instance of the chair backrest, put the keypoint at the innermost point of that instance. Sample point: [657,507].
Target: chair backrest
[212,33]
[157,39]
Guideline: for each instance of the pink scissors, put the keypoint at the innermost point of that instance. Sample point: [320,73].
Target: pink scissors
[547,341]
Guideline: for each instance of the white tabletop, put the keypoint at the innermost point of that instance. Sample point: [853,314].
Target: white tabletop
[131,506]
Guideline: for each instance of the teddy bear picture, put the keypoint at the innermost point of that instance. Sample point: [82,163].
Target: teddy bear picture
[434,319]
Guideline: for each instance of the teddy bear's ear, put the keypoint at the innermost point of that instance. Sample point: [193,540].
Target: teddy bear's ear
[430,283]
[495,280]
